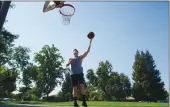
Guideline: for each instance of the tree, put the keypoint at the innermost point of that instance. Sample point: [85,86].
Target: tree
[125,86]
[29,94]
[34,76]
[24,93]
[118,86]
[7,85]
[147,81]
[110,83]
[90,88]
[35,95]
[8,73]
[92,77]
[6,38]
[103,72]
[20,57]
[60,96]
[137,76]
[6,46]
[13,59]
[3,30]
[29,74]
[67,86]
[94,96]
[27,78]
[19,61]
[50,69]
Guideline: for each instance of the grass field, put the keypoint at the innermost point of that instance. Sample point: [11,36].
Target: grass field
[95,103]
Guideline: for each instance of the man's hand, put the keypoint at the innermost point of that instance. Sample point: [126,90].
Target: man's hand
[67,65]
[69,62]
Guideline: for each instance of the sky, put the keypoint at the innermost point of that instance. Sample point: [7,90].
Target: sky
[121,28]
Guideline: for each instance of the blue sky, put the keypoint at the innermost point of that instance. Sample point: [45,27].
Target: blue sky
[120,28]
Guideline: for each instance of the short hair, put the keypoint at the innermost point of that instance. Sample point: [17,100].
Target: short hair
[76,50]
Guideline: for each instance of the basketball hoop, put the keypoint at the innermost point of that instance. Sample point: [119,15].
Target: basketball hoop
[67,11]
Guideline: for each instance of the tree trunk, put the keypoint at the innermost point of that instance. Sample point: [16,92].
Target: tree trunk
[47,96]
[107,95]
[3,12]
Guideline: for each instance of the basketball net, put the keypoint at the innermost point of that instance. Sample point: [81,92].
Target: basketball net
[66,19]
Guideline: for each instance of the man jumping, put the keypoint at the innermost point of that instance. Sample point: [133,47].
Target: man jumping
[78,75]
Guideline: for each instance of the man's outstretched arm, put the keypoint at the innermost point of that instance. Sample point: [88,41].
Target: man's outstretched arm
[88,50]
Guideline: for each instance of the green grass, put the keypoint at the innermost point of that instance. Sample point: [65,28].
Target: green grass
[95,103]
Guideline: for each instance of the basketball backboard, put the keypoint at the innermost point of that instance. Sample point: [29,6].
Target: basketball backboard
[66,10]
[50,5]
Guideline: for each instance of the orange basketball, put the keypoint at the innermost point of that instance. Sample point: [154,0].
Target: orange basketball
[91,35]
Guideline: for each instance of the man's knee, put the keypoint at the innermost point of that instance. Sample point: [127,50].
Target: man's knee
[83,89]
[74,91]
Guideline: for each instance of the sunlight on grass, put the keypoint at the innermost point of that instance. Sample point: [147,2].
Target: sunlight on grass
[95,103]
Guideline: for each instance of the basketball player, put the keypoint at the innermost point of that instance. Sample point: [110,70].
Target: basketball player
[77,75]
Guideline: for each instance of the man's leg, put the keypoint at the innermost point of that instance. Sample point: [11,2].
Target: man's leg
[75,96]
[83,90]
[74,83]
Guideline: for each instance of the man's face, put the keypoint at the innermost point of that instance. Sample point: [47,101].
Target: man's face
[75,53]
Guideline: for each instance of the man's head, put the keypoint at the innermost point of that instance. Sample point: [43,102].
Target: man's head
[75,52]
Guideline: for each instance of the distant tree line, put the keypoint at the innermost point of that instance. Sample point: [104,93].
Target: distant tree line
[45,72]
